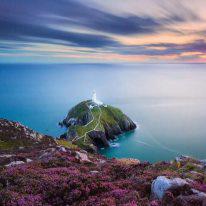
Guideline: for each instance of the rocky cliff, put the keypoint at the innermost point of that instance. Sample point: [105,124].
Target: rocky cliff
[91,125]
[52,174]
[15,136]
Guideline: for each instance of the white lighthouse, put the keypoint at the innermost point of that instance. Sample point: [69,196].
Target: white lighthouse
[95,100]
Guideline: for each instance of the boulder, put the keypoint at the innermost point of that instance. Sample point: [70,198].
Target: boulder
[161,184]
[6,156]
[203,162]
[199,193]
[14,163]
[129,161]
[82,157]
[28,160]
[62,149]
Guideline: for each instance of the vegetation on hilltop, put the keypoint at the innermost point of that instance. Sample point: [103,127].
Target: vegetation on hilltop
[91,125]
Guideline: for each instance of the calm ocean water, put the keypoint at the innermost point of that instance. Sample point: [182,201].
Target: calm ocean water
[168,102]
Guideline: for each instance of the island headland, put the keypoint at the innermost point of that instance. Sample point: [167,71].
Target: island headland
[91,124]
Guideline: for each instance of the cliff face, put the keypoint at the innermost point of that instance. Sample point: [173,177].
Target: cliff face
[91,125]
[52,174]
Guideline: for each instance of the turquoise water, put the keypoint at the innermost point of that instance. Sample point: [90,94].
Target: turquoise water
[168,102]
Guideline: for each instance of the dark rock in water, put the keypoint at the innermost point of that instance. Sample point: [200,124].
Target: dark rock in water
[63,136]
[112,130]
[92,124]
[61,124]
[127,124]
[99,139]
[69,122]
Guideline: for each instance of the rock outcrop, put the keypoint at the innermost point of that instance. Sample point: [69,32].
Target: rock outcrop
[92,126]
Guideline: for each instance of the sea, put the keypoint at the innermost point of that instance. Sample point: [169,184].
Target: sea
[166,101]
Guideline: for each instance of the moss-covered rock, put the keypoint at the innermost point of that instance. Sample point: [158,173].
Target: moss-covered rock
[91,125]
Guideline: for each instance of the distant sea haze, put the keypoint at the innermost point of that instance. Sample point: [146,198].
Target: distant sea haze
[167,101]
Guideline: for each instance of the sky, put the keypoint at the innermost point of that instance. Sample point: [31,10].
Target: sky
[85,31]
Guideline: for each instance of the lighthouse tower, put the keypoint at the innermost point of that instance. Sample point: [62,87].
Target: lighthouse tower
[95,100]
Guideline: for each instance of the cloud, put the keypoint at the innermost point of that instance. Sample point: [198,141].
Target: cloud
[122,25]
[183,51]
[78,14]
[79,24]
[72,13]
[199,45]
[184,9]
[34,33]
[195,46]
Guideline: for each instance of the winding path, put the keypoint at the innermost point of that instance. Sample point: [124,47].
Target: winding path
[85,134]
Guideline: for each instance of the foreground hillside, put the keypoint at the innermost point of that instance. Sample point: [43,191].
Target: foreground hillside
[50,174]
[92,125]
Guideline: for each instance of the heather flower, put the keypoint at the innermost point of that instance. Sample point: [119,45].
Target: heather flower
[61,180]
[203,188]
[118,193]
[31,200]
[154,203]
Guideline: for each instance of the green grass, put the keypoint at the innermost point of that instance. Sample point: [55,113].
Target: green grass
[81,143]
[116,112]
[12,144]
[6,145]
[66,144]
[79,110]
[81,130]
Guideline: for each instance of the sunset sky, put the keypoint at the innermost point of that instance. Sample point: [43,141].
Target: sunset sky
[155,31]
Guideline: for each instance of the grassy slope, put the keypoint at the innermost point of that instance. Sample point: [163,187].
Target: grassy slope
[6,145]
[66,144]
[10,144]
[79,110]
